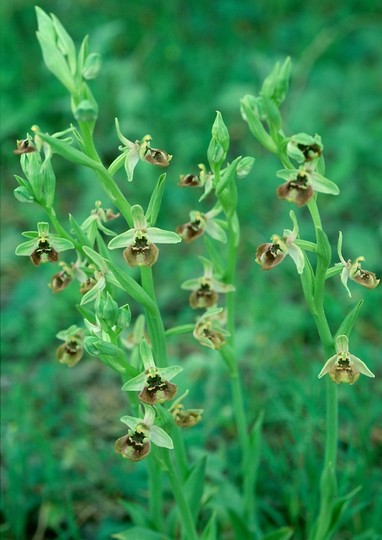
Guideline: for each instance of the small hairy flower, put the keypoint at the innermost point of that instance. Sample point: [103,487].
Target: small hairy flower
[153,383]
[72,350]
[302,183]
[24,147]
[136,445]
[354,271]
[273,253]
[344,367]
[209,330]
[139,242]
[44,247]
[185,418]
[200,223]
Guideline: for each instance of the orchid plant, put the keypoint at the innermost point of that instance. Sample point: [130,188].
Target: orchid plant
[103,277]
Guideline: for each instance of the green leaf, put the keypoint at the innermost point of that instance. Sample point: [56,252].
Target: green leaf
[347,324]
[67,151]
[132,287]
[272,113]
[83,239]
[239,526]
[280,534]
[210,531]
[324,251]
[140,533]
[252,459]
[98,260]
[155,201]
[307,281]
[194,486]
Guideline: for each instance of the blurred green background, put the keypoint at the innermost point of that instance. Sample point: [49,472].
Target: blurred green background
[167,67]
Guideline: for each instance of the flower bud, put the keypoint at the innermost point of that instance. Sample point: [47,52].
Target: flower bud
[86,111]
[92,66]
[185,418]
[71,352]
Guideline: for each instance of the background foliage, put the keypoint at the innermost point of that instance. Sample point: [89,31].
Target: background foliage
[167,66]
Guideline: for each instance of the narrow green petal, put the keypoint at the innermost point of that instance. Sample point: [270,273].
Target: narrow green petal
[361,366]
[161,438]
[122,240]
[298,257]
[130,421]
[327,366]
[60,244]
[135,384]
[146,354]
[138,217]
[344,279]
[160,236]
[26,248]
[323,185]
[94,292]
[216,231]
[169,373]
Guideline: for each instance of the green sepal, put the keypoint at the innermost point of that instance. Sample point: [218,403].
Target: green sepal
[244,166]
[284,533]
[282,84]
[86,111]
[68,152]
[220,132]
[23,194]
[82,54]
[347,324]
[107,310]
[323,185]
[155,201]
[92,66]
[65,44]
[145,353]
[124,317]
[272,113]
[122,240]
[94,292]
[160,236]
[60,244]
[254,123]
[49,182]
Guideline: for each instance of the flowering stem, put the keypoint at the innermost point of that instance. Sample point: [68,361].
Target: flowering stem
[155,493]
[107,181]
[188,524]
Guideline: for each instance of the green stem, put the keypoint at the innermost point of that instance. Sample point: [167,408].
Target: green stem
[155,493]
[188,525]
[60,229]
[104,176]
[154,320]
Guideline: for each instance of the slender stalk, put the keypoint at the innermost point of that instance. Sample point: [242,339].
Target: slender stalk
[187,520]
[155,493]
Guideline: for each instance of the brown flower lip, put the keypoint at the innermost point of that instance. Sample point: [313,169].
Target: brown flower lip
[157,391]
[24,147]
[204,297]
[269,255]
[134,447]
[189,180]
[310,151]
[60,281]
[157,157]
[190,231]
[141,253]
[297,190]
[44,252]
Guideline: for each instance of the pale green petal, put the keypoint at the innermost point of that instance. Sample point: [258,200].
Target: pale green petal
[361,366]
[60,244]
[160,437]
[191,284]
[215,231]
[220,287]
[136,384]
[43,229]
[122,240]
[344,279]
[131,160]
[26,248]
[149,417]
[327,366]
[298,257]
[323,185]
[160,236]
[131,422]
[169,373]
